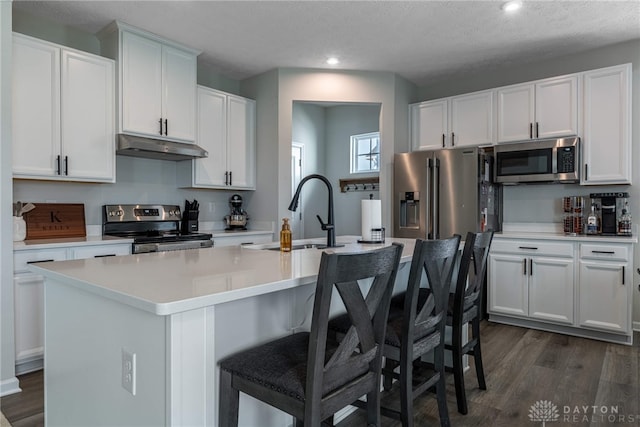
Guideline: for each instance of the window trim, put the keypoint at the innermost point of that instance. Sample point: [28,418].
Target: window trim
[353,153]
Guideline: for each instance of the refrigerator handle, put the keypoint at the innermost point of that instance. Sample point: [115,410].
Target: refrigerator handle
[436,199]
[428,200]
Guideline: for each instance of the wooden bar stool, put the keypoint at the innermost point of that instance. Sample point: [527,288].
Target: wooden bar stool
[416,328]
[306,374]
[464,308]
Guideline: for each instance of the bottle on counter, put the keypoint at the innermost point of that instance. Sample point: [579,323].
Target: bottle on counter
[624,224]
[592,221]
[285,236]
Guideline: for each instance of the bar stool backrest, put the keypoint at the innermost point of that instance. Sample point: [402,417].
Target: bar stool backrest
[359,353]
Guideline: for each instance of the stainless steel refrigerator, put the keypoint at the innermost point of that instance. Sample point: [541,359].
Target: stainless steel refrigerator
[445,192]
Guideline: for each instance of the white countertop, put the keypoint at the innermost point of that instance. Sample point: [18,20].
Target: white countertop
[171,282]
[69,242]
[566,237]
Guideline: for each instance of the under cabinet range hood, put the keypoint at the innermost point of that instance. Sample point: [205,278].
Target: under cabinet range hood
[149,148]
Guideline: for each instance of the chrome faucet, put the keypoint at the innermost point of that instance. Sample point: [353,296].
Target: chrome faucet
[329,226]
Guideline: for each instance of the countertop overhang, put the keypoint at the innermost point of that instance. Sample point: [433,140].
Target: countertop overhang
[166,283]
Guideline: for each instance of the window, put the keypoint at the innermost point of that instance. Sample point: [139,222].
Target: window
[365,152]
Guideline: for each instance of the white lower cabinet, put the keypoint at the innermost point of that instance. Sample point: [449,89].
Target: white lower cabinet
[605,288]
[29,297]
[532,279]
[577,286]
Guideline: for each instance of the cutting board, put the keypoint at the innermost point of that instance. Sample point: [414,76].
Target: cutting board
[55,220]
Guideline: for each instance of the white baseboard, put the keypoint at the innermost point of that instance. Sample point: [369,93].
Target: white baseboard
[9,386]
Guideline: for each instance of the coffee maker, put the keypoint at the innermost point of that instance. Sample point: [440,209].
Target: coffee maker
[238,218]
[613,207]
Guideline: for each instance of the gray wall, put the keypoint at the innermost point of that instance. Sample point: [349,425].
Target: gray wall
[342,122]
[308,129]
[324,132]
[321,86]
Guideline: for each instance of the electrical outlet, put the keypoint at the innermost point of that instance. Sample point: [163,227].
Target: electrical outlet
[129,371]
[212,207]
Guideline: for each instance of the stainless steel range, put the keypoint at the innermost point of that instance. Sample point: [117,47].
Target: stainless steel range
[154,228]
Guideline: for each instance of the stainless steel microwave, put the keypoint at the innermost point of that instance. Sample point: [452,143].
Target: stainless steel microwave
[550,160]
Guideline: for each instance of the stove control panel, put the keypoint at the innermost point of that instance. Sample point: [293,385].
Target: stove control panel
[129,213]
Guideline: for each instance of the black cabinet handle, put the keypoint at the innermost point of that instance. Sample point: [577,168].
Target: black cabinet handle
[230,177]
[453,135]
[530,130]
[603,252]
[103,256]
[623,274]
[166,127]
[59,170]
[586,172]
[531,266]
[226,178]
[443,140]
[41,260]
[537,130]
[528,247]
[524,266]
[160,121]
[66,165]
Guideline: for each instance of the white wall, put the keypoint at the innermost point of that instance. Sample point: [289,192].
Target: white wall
[8,381]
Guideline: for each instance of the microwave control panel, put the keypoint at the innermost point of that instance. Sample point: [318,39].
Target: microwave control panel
[566,160]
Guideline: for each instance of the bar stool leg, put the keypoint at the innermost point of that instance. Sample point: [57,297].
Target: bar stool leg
[477,354]
[229,401]
[406,393]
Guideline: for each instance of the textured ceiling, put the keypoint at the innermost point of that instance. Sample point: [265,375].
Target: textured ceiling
[423,41]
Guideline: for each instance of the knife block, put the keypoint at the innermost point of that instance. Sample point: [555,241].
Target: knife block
[190,221]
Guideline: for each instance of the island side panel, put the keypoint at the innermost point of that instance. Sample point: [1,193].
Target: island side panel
[84,338]
[246,323]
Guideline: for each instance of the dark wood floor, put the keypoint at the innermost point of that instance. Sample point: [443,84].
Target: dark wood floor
[522,366]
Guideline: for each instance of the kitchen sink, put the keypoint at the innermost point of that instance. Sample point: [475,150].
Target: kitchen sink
[296,247]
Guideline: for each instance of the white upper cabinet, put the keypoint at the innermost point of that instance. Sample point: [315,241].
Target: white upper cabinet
[429,124]
[226,129]
[157,83]
[35,107]
[459,121]
[141,80]
[241,139]
[516,106]
[63,113]
[472,119]
[606,126]
[542,109]
[88,119]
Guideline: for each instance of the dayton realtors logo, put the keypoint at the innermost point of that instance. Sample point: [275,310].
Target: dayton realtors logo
[546,411]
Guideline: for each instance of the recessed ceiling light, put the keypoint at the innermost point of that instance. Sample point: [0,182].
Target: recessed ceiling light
[512,6]
[333,61]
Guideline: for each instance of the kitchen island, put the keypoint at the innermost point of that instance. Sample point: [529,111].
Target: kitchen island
[135,340]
